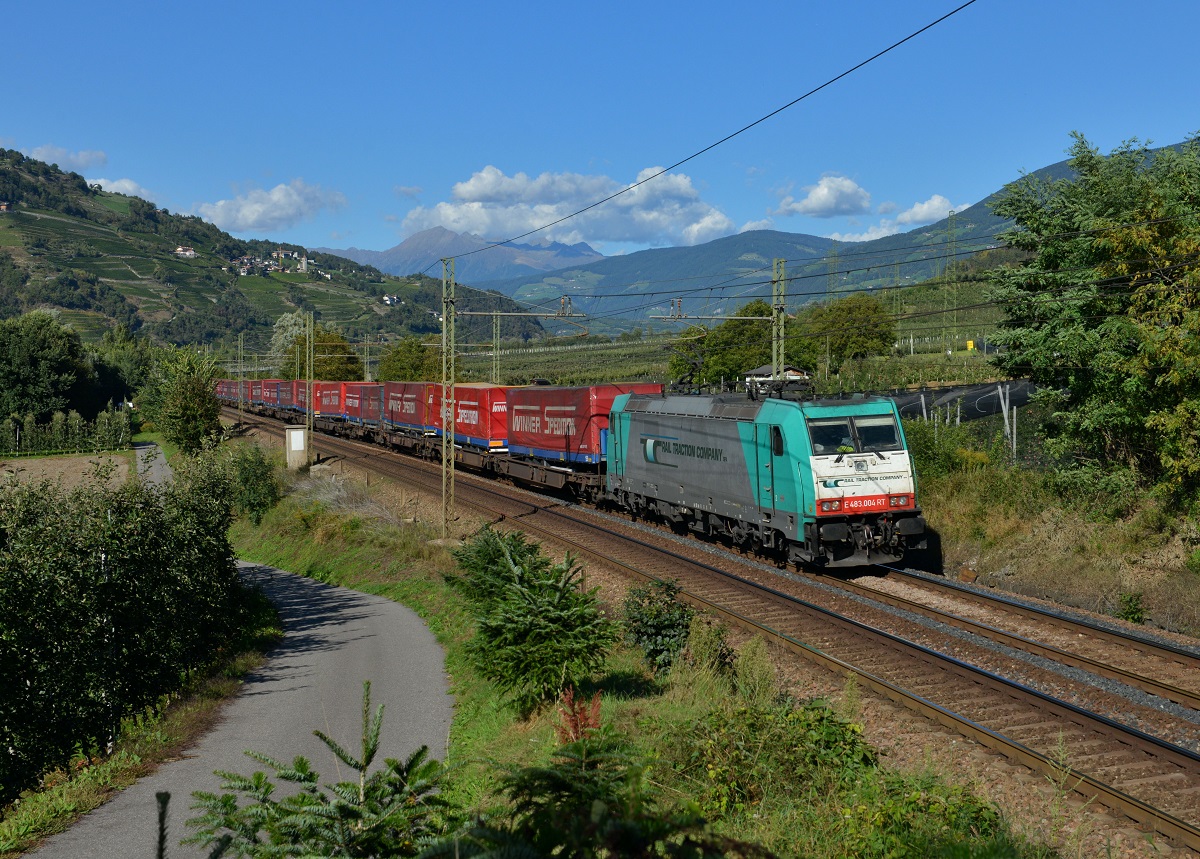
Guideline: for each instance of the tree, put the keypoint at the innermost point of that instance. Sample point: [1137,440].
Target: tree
[726,351]
[537,631]
[334,357]
[851,328]
[390,811]
[42,366]
[1105,314]
[181,398]
[288,329]
[410,359]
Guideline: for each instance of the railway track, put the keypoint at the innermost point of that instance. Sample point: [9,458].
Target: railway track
[1157,668]
[1146,778]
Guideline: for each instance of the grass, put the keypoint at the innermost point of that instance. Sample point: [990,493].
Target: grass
[147,740]
[1024,530]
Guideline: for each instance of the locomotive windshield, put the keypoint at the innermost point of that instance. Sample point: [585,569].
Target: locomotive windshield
[853,435]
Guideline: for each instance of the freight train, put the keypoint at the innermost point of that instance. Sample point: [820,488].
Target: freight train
[825,483]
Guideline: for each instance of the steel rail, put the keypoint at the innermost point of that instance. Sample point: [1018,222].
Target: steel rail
[1186,697]
[1161,649]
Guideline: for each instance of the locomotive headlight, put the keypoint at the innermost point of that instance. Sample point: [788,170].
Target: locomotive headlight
[831,506]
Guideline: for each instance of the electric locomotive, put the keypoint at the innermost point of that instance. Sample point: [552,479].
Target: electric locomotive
[828,483]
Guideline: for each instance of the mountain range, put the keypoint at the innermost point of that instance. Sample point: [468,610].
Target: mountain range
[476,262]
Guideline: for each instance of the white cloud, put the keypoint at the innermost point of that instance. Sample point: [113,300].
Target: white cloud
[886,208]
[933,209]
[764,224]
[123,186]
[665,211]
[883,228]
[83,160]
[832,196]
[277,209]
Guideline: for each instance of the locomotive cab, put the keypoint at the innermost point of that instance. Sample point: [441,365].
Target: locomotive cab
[863,502]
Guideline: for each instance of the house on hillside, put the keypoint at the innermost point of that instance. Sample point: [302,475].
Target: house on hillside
[185,252]
[5,206]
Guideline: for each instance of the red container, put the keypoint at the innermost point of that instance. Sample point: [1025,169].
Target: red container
[363,402]
[404,405]
[256,392]
[330,399]
[300,395]
[270,392]
[245,385]
[481,415]
[565,424]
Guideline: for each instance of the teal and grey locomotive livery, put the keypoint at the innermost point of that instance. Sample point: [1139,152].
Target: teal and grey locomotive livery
[821,482]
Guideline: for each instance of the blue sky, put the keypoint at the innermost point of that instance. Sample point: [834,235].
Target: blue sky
[360,124]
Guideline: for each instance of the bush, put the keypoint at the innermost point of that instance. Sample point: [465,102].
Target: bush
[256,489]
[112,597]
[657,622]
[536,632]
[1130,607]
[905,817]
[492,561]
[1110,492]
[939,449]
[737,756]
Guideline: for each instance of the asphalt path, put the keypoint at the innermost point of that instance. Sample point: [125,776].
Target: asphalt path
[334,639]
[151,462]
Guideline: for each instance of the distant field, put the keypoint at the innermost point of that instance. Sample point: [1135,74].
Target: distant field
[646,360]
[336,303]
[118,203]
[90,325]
[9,238]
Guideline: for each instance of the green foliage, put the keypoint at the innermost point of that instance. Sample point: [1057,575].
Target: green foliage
[708,646]
[754,674]
[536,631]
[492,562]
[1111,492]
[735,757]
[1130,607]
[111,595]
[940,448]
[851,328]
[919,818]
[725,352]
[42,366]
[181,399]
[393,811]
[256,487]
[657,622]
[1103,315]
[593,799]
[68,433]
[333,358]
[410,359]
